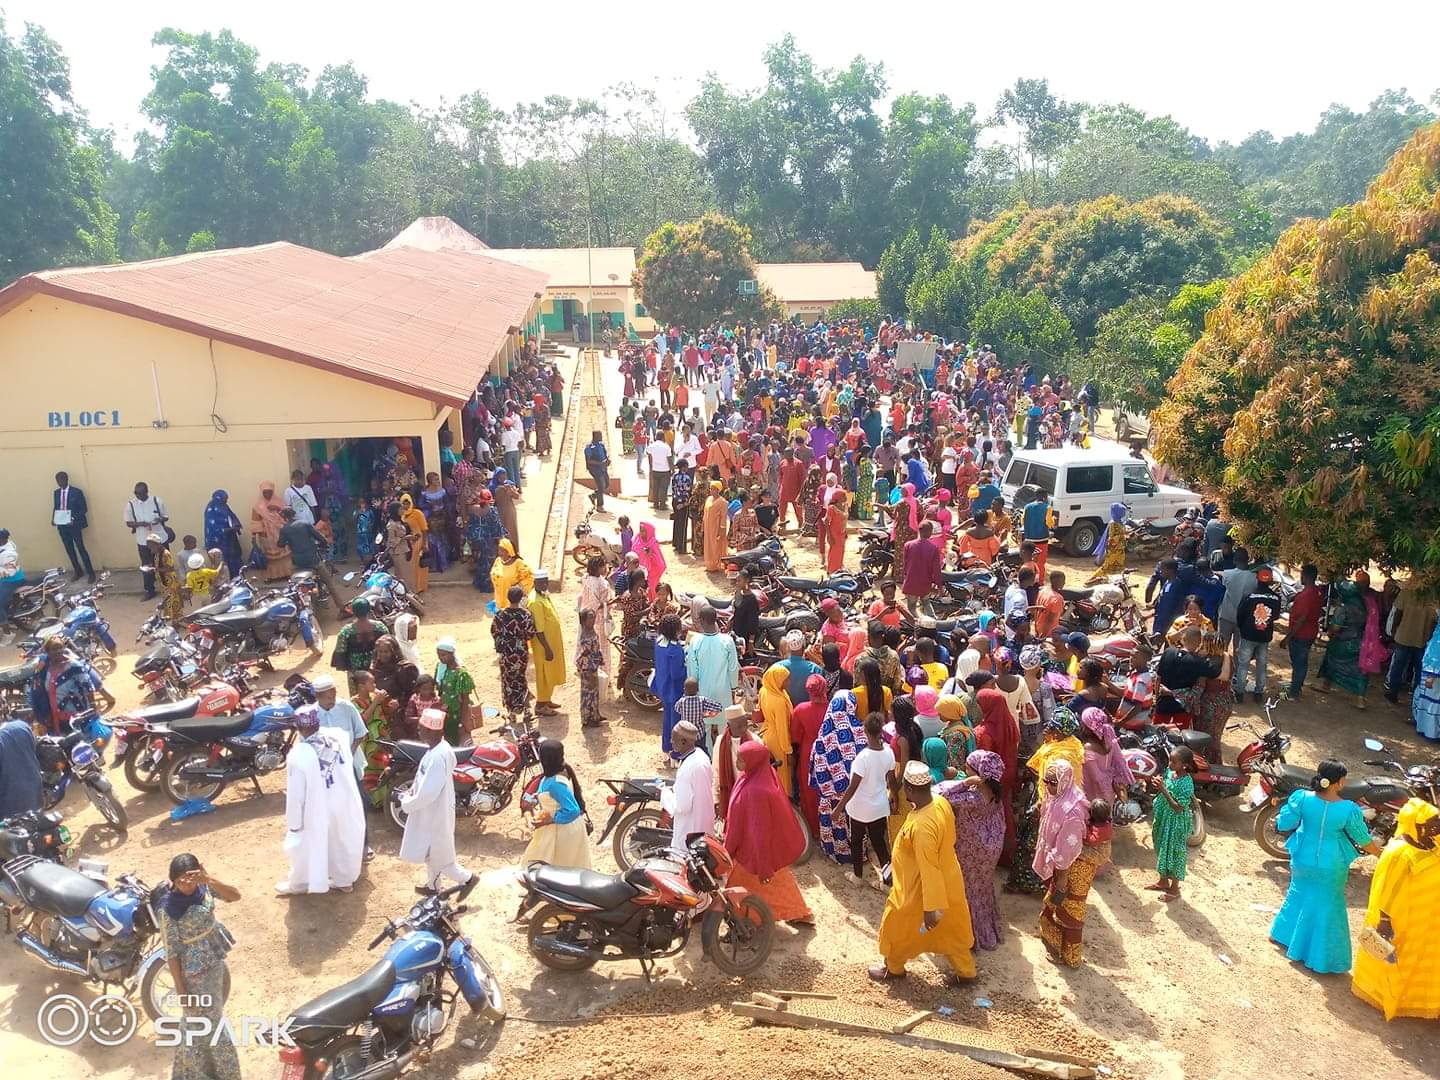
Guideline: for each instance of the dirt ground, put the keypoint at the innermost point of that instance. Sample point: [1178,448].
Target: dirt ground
[1177,990]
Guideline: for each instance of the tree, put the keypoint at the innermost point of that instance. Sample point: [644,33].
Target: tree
[1310,406]
[865,310]
[1139,345]
[1046,125]
[897,270]
[1024,328]
[52,211]
[929,143]
[690,274]
[948,301]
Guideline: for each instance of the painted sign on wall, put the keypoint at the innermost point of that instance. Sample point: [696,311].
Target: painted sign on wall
[84,418]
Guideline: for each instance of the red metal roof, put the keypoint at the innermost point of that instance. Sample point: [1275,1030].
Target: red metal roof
[423,322]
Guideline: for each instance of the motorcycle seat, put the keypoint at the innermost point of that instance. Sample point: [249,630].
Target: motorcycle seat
[1375,790]
[414,750]
[641,646]
[1297,776]
[719,604]
[48,886]
[961,577]
[211,728]
[586,886]
[874,535]
[170,710]
[302,575]
[800,584]
[1077,594]
[323,1017]
[18,677]
[773,622]
[244,619]
[1199,742]
[749,555]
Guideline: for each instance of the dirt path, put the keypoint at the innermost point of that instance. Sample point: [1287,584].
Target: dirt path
[1192,989]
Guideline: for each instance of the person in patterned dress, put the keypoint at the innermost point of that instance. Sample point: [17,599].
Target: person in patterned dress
[589,659]
[838,741]
[195,946]
[512,628]
[979,838]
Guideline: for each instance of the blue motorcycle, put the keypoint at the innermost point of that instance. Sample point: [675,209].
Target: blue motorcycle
[387,594]
[259,632]
[376,1024]
[203,754]
[83,626]
[76,923]
[78,757]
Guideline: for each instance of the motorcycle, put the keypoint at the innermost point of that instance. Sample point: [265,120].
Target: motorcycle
[485,775]
[1100,608]
[641,827]
[1380,798]
[843,586]
[385,592]
[766,557]
[171,668]
[76,923]
[78,757]
[589,545]
[35,602]
[877,552]
[86,631]
[206,753]
[34,832]
[139,733]
[375,1025]
[15,690]
[260,632]
[646,913]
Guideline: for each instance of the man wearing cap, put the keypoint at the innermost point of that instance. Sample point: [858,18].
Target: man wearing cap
[926,911]
[314,771]
[341,716]
[1255,627]
[429,808]
[690,801]
[547,648]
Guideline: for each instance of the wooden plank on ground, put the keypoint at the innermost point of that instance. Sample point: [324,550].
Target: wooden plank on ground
[1056,1055]
[910,1021]
[769,1000]
[1030,1066]
[805,994]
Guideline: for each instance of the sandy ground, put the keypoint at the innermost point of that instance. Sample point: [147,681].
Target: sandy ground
[1166,990]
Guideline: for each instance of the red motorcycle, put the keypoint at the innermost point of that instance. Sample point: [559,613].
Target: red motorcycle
[485,775]
[140,733]
[647,913]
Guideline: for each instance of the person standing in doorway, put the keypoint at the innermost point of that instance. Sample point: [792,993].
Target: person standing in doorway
[300,497]
[429,809]
[144,514]
[67,514]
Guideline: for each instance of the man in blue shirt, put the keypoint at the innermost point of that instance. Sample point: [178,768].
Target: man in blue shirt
[1209,589]
[1035,527]
[987,492]
[915,474]
[1175,583]
[800,669]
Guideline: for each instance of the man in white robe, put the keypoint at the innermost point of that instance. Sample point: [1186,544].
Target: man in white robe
[346,848]
[691,801]
[429,808]
[307,815]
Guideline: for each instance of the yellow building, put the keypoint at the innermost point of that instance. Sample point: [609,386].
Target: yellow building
[583,279]
[806,289]
[223,369]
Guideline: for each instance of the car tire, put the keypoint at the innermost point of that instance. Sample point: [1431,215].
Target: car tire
[1082,537]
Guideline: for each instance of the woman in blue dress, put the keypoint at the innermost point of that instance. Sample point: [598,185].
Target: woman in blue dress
[669,683]
[484,531]
[1328,834]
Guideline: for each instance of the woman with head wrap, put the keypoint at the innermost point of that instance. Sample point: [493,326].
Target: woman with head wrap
[832,532]
[836,677]
[979,805]
[652,560]
[1404,910]
[1032,663]
[509,569]
[1104,774]
[926,718]
[959,714]
[944,520]
[773,716]
[763,837]
[1063,824]
[841,737]
[906,525]
[507,500]
[998,733]
[485,531]
[222,530]
[1061,742]
[714,523]
[857,644]
[805,721]
[265,523]
[1110,554]
[810,497]
[419,530]
[937,759]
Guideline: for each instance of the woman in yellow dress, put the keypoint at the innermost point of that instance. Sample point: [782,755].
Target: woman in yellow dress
[926,911]
[1405,910]
[1111,552]
[775,713]
[415,521]
[510,569]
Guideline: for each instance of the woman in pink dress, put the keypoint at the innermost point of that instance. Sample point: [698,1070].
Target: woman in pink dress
[652,560]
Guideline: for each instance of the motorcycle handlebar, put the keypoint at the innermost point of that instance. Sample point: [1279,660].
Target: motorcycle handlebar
[389,931]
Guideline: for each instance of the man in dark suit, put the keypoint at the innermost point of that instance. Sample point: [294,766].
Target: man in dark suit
[68,516]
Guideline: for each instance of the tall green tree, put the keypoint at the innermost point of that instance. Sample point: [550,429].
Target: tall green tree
[1024,328]
[52,208]
[692,274]
[1310,406]
[1045,125]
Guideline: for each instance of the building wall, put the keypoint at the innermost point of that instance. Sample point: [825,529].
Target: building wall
[82,387]
[615,303]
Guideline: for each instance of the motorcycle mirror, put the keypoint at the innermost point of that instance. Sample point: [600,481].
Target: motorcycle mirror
[1374,745]
[349,577]
[380,539]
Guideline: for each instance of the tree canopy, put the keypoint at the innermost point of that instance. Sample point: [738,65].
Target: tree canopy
[1310,406]
[691,274]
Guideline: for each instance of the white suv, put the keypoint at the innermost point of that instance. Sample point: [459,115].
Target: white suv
[1083,483]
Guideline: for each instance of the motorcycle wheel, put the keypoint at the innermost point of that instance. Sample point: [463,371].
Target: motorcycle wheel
[804,856]
[104,663]
[157,987]
[179,790]
[741,945]
[416,604]
[348,1056]
[637,688]
[1102,621]
[393,813]
[224,656]
[551,920]
[584,551]
[622,844]
[1197,825]
[140,772]
[109,807]
[1267,836]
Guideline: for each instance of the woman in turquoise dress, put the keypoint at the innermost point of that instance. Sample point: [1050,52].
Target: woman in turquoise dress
[1327,834]
[195,946]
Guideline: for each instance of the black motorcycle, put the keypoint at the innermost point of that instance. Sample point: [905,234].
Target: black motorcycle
[36,602]
[77,758]
[34,832]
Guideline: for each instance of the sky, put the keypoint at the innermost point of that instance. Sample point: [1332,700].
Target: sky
[1223,69]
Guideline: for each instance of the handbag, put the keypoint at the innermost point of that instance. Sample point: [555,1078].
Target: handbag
[257,560]
[1377,944]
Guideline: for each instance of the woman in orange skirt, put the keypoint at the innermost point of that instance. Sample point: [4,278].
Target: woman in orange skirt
[763,837]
